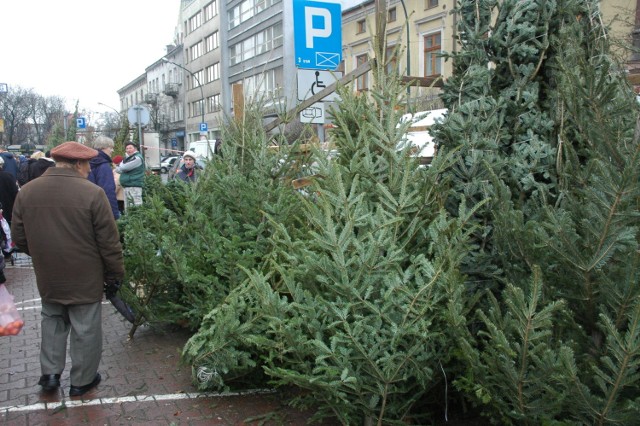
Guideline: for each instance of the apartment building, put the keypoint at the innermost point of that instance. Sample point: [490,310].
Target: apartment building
[165,99]
[261,53]
[428,27]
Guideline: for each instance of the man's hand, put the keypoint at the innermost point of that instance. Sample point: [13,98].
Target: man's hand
[111,287]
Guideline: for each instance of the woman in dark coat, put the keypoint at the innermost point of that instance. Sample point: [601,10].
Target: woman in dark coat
[101,172]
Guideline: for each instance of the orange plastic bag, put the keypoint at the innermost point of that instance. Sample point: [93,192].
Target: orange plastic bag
[10,321]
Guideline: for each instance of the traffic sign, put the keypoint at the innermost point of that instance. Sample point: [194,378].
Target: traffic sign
[317,31]
[203,127]
[81,123]
[314,114]
[138,115]
[174,142]
[311,82]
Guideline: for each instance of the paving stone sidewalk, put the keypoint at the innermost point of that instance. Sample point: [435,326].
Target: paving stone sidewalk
[143,381]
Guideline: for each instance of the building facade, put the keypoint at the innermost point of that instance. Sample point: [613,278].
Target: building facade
[243,50]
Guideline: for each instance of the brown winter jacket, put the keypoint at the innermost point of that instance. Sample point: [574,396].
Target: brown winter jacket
[65,223]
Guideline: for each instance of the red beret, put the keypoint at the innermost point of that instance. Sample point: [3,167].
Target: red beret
[118,159]
[73,151]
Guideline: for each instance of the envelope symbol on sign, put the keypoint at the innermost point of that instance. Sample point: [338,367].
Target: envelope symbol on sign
[327,59]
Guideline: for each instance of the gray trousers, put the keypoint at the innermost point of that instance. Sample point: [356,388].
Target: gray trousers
[85,324]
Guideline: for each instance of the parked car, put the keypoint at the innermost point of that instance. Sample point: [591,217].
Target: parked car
[167,162]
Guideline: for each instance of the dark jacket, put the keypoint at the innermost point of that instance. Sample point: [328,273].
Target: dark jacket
[33,168]
[132,178]
[10,164]
[102,175]
[8,192]
[187,175]
[64,222]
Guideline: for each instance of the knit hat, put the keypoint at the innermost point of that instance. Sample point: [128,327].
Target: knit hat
[189,154]
[117,159]
[73,151]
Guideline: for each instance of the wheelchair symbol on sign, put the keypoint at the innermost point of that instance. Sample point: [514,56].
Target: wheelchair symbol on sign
[317,84]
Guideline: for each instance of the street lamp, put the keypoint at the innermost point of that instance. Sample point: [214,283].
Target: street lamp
[406,17]
[119,113]
[197,81]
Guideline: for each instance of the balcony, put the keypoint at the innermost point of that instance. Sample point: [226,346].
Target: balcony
[151,98]
[171,89]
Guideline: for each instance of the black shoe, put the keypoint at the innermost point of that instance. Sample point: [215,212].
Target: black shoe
[81,390]
[49,382]
[3,279]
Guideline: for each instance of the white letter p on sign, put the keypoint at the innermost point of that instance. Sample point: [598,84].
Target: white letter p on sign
[310,31]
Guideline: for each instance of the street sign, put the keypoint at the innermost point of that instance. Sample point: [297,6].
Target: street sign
[4,88]
[138,115]
[81,123]
[311,82]
[317,31]
[174,142]
[314,114]
[203,127]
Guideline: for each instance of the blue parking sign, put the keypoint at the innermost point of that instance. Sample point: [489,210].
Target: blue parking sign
[81,123]
[317,31]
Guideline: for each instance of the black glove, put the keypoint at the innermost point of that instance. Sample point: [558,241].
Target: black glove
[111,287]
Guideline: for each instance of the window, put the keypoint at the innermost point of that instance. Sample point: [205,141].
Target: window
[213,72]
[362,26]
[247,10]
[431,3]
[392,15]
[362,83]
[195,51]
[210,10]
[257,44]
[197,108]
[211,42]
[261,86]
[194,22]
[196,78]
[432,50]
[214,103]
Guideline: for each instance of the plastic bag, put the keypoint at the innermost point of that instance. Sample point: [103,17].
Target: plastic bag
[10,321]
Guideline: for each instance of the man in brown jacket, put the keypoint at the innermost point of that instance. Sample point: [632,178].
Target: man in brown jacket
[64,222]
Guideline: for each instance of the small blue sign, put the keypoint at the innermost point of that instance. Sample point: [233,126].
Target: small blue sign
[174,142]
[204,127]
[81,123]
[317,33]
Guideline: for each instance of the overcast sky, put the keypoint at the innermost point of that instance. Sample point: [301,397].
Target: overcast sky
[85,50]
[82,50]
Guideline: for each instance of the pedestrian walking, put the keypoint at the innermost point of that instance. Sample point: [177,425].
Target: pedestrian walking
[65,223]
[102,173]
[132,175]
